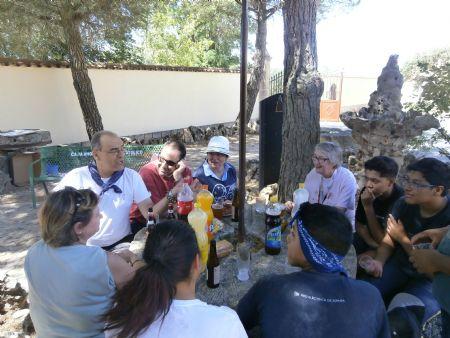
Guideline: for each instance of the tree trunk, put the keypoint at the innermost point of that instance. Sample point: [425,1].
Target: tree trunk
[254,83]
[257,73]
[81,80]
[302,89]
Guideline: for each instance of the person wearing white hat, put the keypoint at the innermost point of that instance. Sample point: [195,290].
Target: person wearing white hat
[216,172]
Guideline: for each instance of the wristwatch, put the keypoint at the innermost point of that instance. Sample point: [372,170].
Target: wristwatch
[171,197]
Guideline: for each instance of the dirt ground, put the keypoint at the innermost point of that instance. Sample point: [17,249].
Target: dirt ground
[19,230]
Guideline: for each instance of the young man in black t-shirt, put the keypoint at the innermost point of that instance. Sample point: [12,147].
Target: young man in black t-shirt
[319,301]
[424,206]
[375,203]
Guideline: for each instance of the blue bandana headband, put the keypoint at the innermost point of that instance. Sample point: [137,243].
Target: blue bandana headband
[320,258]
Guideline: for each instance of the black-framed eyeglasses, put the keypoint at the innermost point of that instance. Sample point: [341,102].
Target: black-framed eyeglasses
[405,181]
[168,162]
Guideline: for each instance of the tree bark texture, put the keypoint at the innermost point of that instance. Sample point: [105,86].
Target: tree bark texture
[302,89]
[254,83]
[81,80]
[257,72]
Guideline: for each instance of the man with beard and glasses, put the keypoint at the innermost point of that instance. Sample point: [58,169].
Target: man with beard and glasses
[164,179]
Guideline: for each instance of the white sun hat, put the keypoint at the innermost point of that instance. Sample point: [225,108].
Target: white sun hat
[219,144]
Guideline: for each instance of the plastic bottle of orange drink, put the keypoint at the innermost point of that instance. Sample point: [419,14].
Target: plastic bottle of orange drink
[206,199]
[197,218]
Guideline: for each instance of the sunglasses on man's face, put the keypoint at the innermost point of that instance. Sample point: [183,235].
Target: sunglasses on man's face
[168,162]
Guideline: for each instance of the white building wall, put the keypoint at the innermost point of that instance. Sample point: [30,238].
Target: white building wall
[130,101]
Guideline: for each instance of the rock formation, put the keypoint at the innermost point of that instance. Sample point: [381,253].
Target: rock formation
[383,128]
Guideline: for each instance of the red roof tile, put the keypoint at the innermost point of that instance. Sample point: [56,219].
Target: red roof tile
[117,66]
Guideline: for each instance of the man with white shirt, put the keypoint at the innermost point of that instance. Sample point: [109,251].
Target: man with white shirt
[117,187]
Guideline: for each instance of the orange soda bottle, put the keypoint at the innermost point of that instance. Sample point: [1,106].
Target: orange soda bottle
[205,199]
[197,219]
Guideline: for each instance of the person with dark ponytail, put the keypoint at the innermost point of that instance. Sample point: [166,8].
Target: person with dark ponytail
[160,300]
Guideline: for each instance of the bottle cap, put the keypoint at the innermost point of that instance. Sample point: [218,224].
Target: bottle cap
[273,199]
[301,185]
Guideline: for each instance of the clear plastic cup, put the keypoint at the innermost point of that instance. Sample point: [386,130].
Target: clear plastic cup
[243,262]
[260,205]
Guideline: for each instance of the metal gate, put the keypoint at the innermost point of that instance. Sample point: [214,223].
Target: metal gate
[330,103]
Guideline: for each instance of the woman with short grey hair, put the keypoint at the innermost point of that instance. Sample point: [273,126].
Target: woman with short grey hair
[329,183]
[332,150]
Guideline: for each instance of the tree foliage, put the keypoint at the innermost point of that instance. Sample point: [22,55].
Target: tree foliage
[430,75]
[32,29]
[203,33]
[326,7]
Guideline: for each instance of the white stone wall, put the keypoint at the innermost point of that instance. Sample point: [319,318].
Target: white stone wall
[130,101]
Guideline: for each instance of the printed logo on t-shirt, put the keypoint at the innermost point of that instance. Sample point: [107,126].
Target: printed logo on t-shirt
[220,191]
[321,299]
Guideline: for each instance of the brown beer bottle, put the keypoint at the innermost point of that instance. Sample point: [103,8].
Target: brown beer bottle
[170,212]
[235,207]
[212,267]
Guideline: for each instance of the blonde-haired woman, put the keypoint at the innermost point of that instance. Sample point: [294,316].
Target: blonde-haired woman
[71,284]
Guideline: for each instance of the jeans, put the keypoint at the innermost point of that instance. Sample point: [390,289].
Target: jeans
[360,245]
[395,280]
[445,324]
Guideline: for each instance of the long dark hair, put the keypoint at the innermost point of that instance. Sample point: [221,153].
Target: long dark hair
[169,253]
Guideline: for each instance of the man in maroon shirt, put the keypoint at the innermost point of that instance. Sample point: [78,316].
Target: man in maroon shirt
[163,178]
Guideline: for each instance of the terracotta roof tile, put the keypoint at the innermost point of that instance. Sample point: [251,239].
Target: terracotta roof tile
[117,66]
